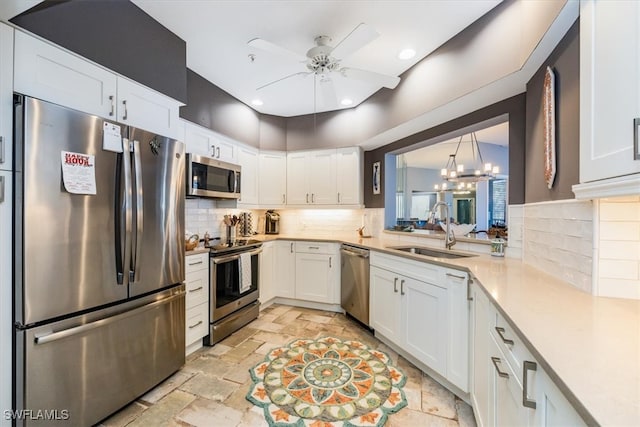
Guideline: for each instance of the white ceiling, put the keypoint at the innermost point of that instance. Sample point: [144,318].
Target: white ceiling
[217,32]
[436,156]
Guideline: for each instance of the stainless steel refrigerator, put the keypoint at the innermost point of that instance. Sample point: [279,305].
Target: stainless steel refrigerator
[99,305]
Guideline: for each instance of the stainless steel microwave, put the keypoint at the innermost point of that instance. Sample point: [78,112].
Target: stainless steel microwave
[207,177]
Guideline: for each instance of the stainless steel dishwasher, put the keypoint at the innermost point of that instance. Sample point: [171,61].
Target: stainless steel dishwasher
[354,279]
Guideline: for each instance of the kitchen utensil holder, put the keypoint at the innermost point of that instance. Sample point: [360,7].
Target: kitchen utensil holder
[231,234]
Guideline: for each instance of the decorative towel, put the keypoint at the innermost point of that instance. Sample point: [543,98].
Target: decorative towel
[245,272]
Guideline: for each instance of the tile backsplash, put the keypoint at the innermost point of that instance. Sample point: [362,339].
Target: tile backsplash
[557,237]
[618,247]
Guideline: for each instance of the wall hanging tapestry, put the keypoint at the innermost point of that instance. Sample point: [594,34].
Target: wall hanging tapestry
[327,383]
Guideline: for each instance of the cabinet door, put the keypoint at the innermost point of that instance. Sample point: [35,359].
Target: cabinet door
[225,150]
[267,262]
[425,322]
[52,74]
[146,109]
[313,277]
[458,330]
[273,179]
[198,140]
[297,192]
[6,97]
[609,88]
[322,177]
[506,395]
[552,408]
[349,176]
[6,285]
[284,274]
[384,303]
[482,368]
[248,159]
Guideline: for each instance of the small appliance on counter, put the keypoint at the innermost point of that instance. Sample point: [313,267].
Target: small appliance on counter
[272,222]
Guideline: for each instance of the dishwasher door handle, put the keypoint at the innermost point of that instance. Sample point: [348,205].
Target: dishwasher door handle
[363,254]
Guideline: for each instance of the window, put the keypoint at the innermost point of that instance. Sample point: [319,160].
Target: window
[498,202]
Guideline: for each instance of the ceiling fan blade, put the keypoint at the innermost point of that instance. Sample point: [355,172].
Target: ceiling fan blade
[302,73]
[275,49]
[371,77]
[328,91]
[359,37]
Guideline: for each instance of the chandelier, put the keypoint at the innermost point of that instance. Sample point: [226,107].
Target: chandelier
[462,177]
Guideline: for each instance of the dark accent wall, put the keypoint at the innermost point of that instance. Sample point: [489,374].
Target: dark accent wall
[514,107]
[213,108]
[116,34]
[565,62]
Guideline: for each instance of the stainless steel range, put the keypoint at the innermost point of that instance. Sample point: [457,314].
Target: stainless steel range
[234,280]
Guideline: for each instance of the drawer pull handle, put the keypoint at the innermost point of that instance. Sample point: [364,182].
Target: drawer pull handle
[125,116]
[329,262]
[113,107]
[527,366]
[456,276]
[196,289]
[307,197]
[402,287]
[495,361]
[636,144]
[500,332]
[291,247]
[217,152]
[197,324]
[395,285]
[314,247]
[195,263]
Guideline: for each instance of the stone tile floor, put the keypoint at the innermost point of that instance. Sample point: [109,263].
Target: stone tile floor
[210,389]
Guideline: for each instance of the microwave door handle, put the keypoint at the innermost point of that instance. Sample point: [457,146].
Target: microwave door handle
[231,180]
[123,218]
[236,186]
[139,210]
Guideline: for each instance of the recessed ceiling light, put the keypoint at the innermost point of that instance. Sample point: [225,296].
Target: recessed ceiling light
[257,102]
[346,101]
[407,54]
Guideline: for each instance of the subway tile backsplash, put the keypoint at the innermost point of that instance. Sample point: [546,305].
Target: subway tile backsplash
[557,237]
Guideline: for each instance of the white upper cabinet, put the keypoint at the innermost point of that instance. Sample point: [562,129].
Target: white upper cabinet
[6,97]
[146,109]
[609,98]
[273,178]
[349,176]
[50,73]
[249,161]
[205,142]
[311,178]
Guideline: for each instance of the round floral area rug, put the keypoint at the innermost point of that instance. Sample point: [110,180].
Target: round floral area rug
[327,383]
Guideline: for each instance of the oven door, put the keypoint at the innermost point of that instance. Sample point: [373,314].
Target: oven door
[226,295]
[207,177]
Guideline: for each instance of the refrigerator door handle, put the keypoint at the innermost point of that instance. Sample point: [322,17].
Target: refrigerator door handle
[139,218]
[123,219]
[54,336]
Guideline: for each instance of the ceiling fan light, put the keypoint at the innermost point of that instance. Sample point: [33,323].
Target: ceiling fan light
[257,102]
[406,54]
[346,101]
[460,168]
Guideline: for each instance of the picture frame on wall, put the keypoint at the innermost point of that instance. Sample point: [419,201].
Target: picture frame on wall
[376,178]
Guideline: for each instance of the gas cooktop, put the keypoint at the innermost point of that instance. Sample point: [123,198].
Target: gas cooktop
[216,246]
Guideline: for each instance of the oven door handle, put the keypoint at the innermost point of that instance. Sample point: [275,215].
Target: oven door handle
[224,259]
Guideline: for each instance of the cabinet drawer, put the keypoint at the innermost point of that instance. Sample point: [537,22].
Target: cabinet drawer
[196,262]
[315,247]
[196,324]
[197,285]
[513,348]
[418,270]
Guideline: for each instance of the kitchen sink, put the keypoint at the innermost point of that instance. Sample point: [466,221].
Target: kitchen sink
[437,253]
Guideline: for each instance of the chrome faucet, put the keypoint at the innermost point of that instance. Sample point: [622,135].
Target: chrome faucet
[450,238]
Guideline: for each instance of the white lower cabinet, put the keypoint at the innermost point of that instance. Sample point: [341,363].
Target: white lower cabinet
[317,272]
[197,299]
[267,270]
[415,306]
[284,274]
[509,387]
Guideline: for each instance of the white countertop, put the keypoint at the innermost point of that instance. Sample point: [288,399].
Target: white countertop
[590,346]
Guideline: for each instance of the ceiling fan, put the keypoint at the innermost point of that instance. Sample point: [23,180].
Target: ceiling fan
[322,60]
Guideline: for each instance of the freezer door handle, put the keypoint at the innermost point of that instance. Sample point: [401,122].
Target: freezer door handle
[139,218]
[123,219]
[55,336]
[1,189]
